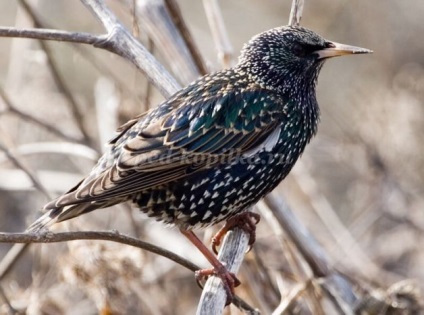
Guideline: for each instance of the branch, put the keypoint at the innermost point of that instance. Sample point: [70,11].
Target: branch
[11,108]
[157,22]
[340,289]
[232,251]
[36,182]
[120,41]
[48,34]
[59,79]
[113,236]
[219,32]
[296,12]
[49,237]
[179,22]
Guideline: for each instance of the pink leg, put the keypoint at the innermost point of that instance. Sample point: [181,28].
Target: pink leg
[229,279]
[246,221]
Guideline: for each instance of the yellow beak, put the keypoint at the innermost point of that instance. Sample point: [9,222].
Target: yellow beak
[336,49]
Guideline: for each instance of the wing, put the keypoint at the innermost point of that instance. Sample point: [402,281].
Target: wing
[190,132]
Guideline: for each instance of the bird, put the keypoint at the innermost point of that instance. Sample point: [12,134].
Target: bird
[216,147]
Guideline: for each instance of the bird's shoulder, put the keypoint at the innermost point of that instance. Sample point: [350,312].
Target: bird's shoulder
[227,99]
[224,114]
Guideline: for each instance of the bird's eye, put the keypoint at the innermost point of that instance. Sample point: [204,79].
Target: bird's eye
[299,50]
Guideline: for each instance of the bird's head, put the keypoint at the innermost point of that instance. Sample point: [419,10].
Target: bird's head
[289,58]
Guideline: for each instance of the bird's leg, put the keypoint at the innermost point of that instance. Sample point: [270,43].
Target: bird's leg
[246,221]
[229,279]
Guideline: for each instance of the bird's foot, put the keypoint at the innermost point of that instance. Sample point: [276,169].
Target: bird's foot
[246,221]
[229,279]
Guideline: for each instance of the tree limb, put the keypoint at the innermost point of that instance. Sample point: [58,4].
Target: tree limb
[231,253]
[114,236]
[48,34]
[120,41]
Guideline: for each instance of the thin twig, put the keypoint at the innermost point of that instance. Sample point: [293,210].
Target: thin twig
[65,148]
[27,117]
[6,302]
[49,34]
[157,22]
[49,237]
[179,22]
[276,209]
[296,12]
[114,236]
[287,301]
[10,258]
[219,32]
[120,41]
[148,88]
[15,160]
[341,235]
[59,79]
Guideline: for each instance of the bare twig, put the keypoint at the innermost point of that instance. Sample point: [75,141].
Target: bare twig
[219,32]
[11,256]
[296,12]
[287,301]
[114,236]
[27,117]
[148,88]
[120,41]
[49,237]
[49,34]
[179,22]
[305,243]
[67,148]
[341,235]
[59,79]
[275,209]
[158,23]
[20,165]
[10,309]
[106,98]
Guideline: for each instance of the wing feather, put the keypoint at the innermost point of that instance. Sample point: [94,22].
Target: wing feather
[164,145]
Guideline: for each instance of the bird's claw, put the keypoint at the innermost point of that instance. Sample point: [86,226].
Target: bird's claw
[246,221]
[229,279]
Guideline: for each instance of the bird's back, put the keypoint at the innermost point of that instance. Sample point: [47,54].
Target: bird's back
[211,150]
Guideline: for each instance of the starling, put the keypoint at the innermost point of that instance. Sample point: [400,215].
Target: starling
[215,147]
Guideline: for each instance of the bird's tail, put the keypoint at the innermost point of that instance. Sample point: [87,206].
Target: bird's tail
[60,214]
[44,221]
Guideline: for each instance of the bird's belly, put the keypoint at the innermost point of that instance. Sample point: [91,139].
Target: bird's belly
[215,194]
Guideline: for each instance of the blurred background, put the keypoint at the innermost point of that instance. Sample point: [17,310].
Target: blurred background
[358,187]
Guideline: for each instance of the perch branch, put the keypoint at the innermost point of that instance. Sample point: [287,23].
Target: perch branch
[114,236]
[231,253]
[49,237]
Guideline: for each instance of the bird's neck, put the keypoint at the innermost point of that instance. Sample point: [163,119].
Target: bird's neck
[297,88]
